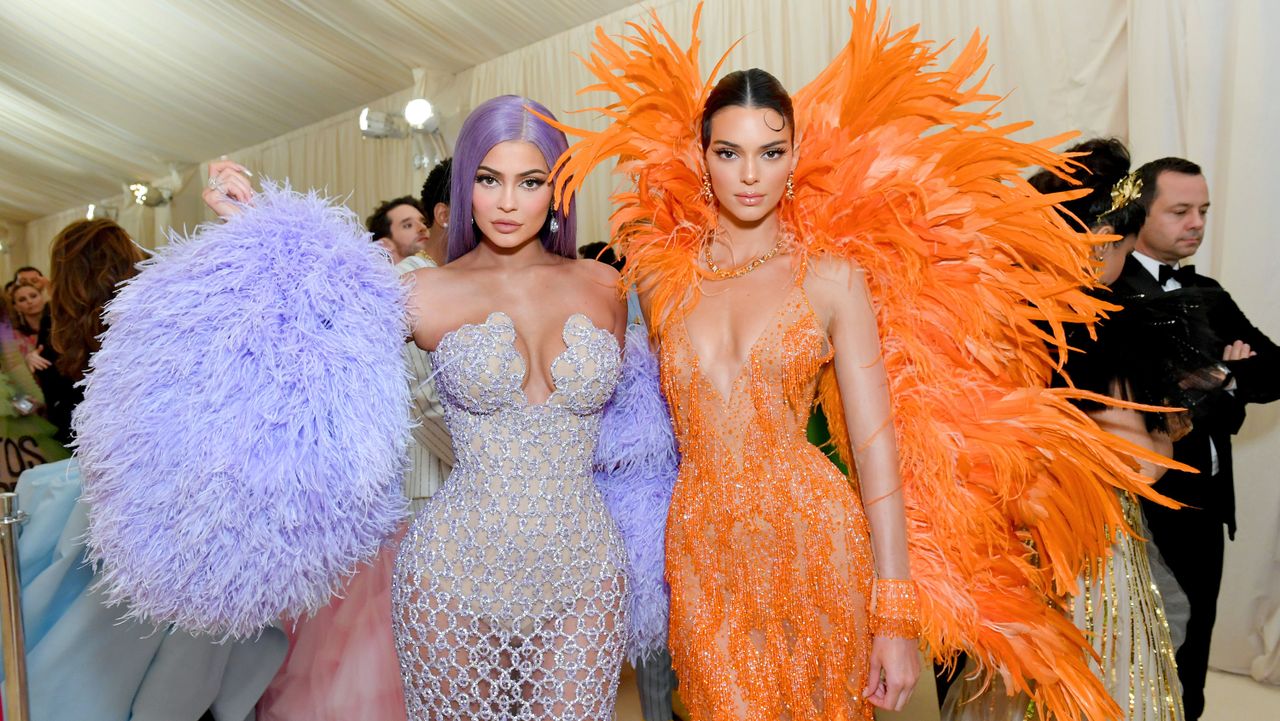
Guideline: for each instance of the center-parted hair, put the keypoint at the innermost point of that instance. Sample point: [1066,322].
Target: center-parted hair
[753,88]
[495,121]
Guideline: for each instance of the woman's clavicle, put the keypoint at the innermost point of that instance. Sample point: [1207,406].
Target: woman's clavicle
[732,318]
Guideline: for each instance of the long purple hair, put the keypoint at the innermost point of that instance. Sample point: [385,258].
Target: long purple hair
[494,121]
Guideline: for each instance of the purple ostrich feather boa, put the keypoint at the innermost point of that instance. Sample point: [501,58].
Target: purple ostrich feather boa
[244,425]
[635,470]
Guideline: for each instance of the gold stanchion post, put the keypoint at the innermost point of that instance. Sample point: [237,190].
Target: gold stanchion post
[12,636]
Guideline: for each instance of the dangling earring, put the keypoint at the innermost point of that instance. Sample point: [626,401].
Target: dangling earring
[791,188]
[707,194]
[554,224]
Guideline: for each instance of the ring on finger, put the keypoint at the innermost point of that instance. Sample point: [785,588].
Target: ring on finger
[215,183]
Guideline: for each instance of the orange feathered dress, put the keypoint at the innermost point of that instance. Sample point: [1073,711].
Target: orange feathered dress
[768,551]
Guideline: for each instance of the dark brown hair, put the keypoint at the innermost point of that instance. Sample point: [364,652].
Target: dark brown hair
[1150,173]
[753,88]
[435,190]
[90,258]
[380,223]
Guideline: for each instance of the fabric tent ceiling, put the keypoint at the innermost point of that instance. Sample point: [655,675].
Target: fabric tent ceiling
[95,94]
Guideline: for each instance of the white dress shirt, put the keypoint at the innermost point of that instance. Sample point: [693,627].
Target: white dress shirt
[1153,267]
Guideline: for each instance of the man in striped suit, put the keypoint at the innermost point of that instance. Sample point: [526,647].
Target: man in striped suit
[400,226]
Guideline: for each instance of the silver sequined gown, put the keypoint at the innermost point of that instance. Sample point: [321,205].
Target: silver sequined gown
[509,591]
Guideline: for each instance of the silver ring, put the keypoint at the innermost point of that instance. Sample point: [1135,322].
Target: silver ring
[216,184]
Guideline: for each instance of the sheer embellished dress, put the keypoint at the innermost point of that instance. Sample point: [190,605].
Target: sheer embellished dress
[509,590]
[768,552]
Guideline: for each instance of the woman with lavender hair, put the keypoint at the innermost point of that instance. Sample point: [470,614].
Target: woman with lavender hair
[514,593]
[510,593]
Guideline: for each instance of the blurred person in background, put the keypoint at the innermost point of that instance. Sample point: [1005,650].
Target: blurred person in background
[90,258]
[399,226]
[602,252]
[31,275]
[25,438]
[31,323]
[435,204]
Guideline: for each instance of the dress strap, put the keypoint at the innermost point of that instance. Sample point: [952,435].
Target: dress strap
[801,270]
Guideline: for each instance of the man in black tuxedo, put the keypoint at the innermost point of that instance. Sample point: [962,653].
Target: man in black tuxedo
[1176,198]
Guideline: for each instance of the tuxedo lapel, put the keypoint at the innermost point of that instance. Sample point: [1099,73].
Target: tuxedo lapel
[1135,280]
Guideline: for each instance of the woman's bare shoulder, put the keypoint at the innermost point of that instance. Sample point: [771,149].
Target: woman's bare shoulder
[596,271]
[833,270]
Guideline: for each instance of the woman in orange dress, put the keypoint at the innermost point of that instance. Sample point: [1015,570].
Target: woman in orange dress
[875,251]
[774,566]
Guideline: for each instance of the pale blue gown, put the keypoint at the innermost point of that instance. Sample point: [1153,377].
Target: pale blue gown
[84,663]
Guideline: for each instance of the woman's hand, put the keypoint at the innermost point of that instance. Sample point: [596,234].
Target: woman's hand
[228,188]
[35,361]
[895,667]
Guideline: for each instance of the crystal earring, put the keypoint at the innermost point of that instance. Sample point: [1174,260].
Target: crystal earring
[554,224]
[791,188]
[707,194]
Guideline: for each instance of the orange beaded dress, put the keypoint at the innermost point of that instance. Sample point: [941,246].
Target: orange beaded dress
[768,553]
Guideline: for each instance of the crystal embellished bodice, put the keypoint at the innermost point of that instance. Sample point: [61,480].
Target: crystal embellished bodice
[519,528]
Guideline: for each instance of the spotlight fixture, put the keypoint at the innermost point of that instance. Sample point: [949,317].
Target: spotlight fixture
[419,123]
[421,116]
[149,195]
[375,124]
[100,211]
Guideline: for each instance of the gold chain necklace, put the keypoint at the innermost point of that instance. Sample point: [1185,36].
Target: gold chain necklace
[742,269]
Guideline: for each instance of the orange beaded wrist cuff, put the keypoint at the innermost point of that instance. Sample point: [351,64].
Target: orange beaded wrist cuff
[896,609]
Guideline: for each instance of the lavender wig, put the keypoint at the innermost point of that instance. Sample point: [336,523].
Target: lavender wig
[495,121]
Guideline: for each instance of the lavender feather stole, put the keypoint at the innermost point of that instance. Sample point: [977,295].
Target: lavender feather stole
[244,425]
[635,470]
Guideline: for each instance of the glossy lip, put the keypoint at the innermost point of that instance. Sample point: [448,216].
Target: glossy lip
[749,198]
[506,226]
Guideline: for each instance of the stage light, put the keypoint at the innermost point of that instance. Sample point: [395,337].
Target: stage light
[375,124]
[100,211]
[149,195]
[420,115]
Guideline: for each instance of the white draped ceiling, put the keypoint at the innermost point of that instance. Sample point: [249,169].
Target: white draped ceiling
[95,94]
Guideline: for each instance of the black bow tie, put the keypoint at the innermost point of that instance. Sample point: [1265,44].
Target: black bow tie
[1184,275]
